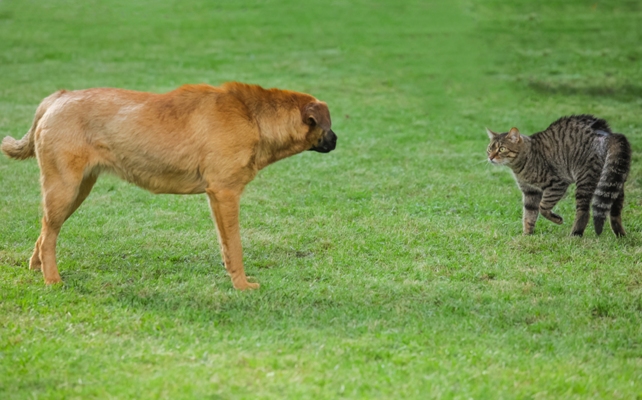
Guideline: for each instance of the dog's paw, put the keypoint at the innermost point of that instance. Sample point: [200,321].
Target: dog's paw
[53,280]
[245,285]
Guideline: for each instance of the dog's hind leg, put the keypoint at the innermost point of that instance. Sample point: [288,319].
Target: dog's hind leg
[64,187]
[83,191]
[35,262]
[225,209]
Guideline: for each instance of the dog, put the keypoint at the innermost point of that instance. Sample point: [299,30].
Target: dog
[195,139]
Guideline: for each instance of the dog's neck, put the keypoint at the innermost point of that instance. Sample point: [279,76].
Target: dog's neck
[276,145]
[276,142]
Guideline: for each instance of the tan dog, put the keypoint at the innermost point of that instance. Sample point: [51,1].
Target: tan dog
[195,139]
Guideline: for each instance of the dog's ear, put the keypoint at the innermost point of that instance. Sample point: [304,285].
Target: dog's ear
[317,113]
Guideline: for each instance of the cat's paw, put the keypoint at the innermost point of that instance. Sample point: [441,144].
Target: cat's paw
[556,218]
[551,216]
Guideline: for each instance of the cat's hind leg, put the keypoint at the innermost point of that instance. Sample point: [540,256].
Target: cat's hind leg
[583,196]
[616,215]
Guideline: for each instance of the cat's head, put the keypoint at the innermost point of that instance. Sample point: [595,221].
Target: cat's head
[504,147]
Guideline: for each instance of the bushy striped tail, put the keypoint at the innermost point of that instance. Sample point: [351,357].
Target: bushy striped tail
[25,147]
[609,195]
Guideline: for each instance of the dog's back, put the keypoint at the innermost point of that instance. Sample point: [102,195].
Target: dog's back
[156,141]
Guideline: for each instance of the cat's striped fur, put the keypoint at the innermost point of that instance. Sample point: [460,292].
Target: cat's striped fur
[579,149]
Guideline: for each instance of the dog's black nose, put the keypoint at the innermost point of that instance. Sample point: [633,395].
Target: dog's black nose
[332,140]
[327,144]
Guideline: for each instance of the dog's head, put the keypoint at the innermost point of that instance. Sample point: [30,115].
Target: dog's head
[317,117]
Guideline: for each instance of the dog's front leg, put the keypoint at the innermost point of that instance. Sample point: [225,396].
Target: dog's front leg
[225,210]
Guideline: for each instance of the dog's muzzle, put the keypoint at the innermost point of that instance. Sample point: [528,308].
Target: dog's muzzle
[327,143]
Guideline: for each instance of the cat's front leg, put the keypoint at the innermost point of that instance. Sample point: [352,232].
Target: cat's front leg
[531,200]
[551,216]
[550,197]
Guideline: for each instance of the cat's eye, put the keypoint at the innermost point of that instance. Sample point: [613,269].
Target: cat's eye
[502,149]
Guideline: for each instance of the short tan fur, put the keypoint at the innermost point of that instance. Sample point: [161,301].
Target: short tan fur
[195,139]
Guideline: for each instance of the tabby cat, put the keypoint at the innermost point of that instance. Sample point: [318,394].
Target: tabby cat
[579,149]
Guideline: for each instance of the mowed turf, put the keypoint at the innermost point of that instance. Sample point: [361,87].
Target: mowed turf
[393,267]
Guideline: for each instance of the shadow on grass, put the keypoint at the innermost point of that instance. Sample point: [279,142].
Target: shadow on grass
[207,297]
[303,306]
[619,92]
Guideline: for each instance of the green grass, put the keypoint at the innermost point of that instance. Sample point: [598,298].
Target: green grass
[393,267]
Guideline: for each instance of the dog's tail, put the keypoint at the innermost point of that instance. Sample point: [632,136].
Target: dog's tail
[25,148]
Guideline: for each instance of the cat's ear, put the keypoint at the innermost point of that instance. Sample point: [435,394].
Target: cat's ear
[491,134]
[514,136]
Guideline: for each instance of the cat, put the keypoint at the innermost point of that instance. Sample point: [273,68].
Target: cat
[579,149]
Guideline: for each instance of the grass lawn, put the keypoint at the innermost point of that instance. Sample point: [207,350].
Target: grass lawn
[393,267]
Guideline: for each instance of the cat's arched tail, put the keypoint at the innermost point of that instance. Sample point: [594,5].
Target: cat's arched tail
[609,195]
